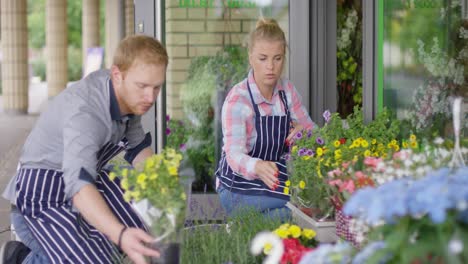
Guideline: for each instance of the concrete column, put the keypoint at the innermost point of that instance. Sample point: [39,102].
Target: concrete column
[115,29]
[90,24]
[56,46]
[129,18]
[15,56]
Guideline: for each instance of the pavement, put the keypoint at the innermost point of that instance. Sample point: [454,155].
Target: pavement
[14,130]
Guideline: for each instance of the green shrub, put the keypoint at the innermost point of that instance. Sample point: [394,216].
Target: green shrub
[218,244]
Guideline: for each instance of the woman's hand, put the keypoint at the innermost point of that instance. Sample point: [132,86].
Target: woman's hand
[268,173]
[295,128]
[133,244]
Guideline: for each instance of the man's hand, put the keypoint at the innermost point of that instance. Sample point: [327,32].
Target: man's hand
[133,244]
[268,173]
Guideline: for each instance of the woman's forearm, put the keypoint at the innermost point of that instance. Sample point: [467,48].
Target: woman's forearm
[96,212]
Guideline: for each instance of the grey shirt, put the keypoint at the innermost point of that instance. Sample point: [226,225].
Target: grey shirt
[76,125]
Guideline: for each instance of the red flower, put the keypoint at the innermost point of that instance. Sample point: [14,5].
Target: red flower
[293,251]
[342,140]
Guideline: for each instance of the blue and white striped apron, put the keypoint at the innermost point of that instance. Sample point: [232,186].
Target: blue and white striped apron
[272,132]
[62,232]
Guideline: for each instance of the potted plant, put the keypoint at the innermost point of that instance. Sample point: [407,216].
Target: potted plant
[158,197]
[320,160]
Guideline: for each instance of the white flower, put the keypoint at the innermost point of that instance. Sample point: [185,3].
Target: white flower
[438,141]
[455,246]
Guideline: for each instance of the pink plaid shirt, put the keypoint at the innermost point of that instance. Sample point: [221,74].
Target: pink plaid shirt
[238,120]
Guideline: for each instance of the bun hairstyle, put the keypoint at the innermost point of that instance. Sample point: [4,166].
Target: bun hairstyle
[267,29]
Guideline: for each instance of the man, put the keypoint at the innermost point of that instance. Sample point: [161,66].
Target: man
[66,209]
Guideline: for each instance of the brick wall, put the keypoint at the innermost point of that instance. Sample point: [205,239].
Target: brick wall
[192,32]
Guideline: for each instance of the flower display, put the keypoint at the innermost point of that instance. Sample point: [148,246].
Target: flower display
[417,219]
[155,190]
[296,242]
[320,159]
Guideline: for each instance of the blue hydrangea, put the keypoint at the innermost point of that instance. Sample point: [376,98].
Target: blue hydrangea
[433,195]
[339,253]
[368,251]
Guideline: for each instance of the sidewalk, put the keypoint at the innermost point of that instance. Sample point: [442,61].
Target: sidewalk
[14,130]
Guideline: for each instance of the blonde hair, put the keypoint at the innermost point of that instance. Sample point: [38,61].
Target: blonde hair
[267,29]
[147,49]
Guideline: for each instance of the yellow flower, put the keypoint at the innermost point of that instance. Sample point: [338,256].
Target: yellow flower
[287,183]
[172,170]
[286,190]
[308,233]
[338,154]
[414,144]
[153,176]
[284,226]
[127,196]
[396,147]
[412,137]
[112,176]
[405,144]
[267,248]
[141,178]
[319,152]
[374,141]
[149,163]
[306,157]
[136,195]
[125,173]
[295,231]
[294,149]
[282,233]
[364,143]
[302,184]
[367,153]
[336,143]
[124,184]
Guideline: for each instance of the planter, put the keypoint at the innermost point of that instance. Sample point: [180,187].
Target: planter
[325,229]
[170,254]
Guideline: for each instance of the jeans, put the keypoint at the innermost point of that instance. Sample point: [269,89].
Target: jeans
[235,203]
[37,254]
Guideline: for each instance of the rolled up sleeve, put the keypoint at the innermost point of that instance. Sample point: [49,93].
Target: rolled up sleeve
[83,134]
[235,114]
[299,113]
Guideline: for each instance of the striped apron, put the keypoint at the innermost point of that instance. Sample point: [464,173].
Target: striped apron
[272,132]
[62,232]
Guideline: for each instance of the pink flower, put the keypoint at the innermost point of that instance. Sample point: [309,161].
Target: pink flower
[348,186]
[372,161]
[335,172]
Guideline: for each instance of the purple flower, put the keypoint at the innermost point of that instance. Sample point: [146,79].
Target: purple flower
[182,147]
[287,157]
[168,118]
[309,133]
[327,115]
[319,141]
[310,152]
[301,152]
[299,135]
[168,131]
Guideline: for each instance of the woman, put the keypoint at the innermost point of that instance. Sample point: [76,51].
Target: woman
[256,118]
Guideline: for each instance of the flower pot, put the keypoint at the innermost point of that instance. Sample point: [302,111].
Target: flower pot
[170,253]
[325,229]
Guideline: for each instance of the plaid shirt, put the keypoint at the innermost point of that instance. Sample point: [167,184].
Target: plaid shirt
[238,120]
